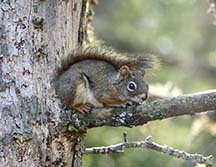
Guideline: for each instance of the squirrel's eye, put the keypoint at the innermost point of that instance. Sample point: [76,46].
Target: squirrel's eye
[131,86]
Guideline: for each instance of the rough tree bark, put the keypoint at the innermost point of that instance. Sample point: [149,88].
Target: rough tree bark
[35,36]
[34,128]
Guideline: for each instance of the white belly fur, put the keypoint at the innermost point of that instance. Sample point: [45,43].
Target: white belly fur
[85,95]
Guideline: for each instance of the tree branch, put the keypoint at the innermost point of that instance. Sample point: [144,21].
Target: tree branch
[138,115]
[148,143]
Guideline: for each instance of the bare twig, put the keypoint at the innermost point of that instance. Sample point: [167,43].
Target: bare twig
[125,137]
[138,115]
[148,143]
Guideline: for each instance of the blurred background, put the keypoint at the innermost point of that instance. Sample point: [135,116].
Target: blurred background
[183,36]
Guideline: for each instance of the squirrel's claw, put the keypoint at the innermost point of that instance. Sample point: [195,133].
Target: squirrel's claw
[84,108]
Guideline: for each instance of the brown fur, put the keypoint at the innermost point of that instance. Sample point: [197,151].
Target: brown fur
[111,99]
[107,54]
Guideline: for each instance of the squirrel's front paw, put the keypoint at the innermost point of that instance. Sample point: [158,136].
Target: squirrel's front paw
[84,108]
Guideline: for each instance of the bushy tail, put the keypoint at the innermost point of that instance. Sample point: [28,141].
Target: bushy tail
[108,54]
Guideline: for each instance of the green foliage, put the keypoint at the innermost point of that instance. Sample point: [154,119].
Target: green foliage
[181,33]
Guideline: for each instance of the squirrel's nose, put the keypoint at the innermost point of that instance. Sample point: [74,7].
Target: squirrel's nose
[144,96]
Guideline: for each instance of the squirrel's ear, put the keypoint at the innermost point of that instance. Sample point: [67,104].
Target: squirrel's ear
[123,72]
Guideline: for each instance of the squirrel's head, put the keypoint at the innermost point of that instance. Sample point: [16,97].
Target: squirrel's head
[131,86]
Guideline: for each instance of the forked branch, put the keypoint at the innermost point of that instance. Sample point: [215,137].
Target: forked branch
[148,143]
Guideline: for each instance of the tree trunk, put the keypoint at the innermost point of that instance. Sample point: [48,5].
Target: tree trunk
[35,36]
